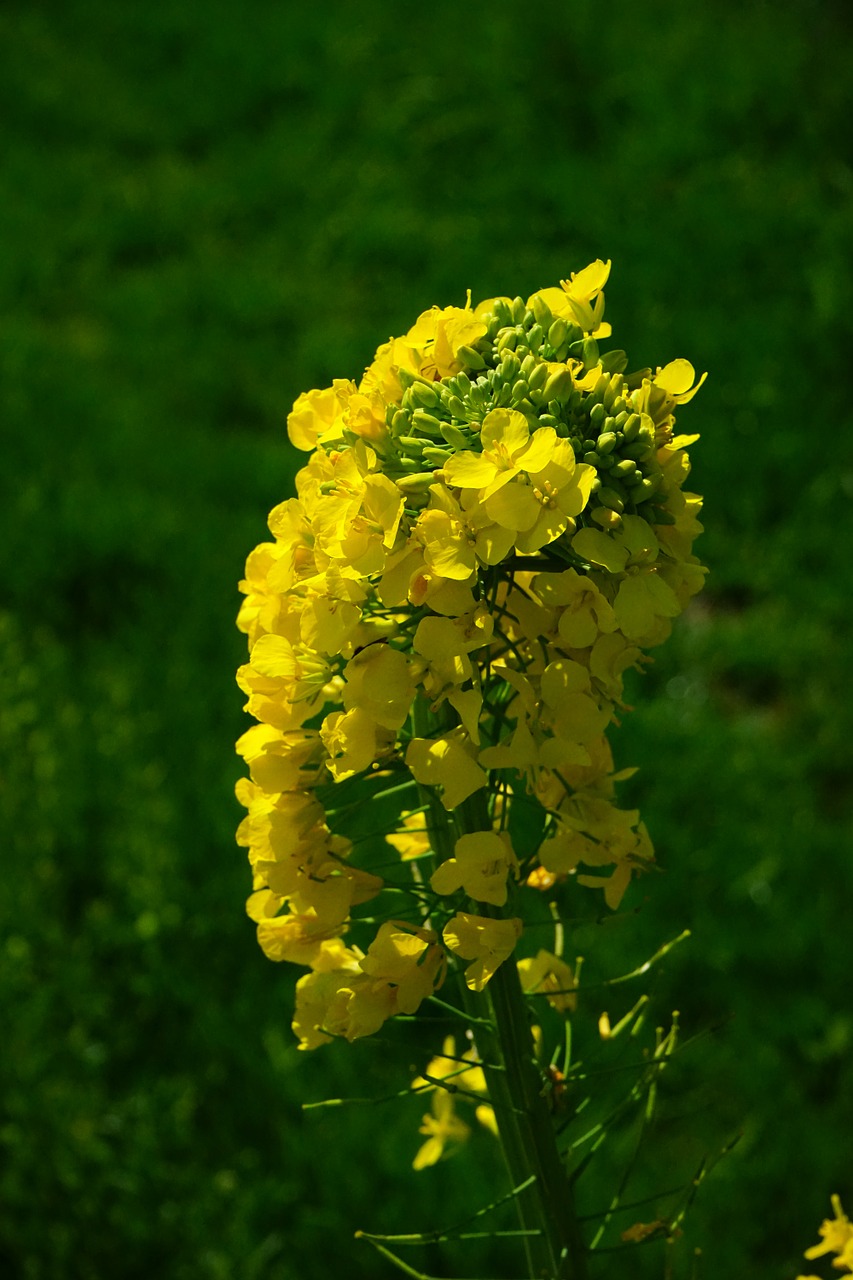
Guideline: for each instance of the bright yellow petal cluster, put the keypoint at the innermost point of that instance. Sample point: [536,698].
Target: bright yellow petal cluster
[489,530]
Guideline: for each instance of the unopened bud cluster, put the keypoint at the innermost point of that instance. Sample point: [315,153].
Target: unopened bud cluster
[490,529]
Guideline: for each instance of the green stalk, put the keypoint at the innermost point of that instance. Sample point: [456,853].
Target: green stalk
[504,1040]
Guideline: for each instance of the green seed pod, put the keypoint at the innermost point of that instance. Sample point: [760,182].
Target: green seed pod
[610,498]
[606,442]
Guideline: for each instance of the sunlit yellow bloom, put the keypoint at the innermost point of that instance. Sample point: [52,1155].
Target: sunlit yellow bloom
[457,534]
[539,508]
[484,941]
[438,335]
[446,762]
[584,613]
[443,1129]
[294,937]
[413,840]
[379,682]
[676,378]
[281,760]
[353,741]
[317,416]
[410,959]
[547,974]
[482,862]
[508,450]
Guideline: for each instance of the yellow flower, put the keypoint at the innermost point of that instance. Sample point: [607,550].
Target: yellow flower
[508,449]
[540,509]
[438,336]
[584,613]
[448,1067]
[413,840]
[837,1233]
[443,1130]
[410,960]
[446,762]
[317,416]
[379,682]
[482,862]
[485,941]
[547,974]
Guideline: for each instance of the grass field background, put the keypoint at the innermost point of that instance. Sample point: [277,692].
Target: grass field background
[208,208]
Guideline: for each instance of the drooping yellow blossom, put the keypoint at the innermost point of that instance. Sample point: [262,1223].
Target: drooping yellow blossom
[546,974]
[482,862]
[487,942]
[443,1130]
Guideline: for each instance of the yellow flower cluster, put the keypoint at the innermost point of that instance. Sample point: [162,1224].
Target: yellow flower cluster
[490,529]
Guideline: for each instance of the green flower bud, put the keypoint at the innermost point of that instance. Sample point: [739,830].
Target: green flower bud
[463,384]
[596,396]
[528,364]
[456,408]
[418,482]
[454,436]
[558,387]
[542,312]
[640,451]
[519,310]
[558,333]
[520,389]
[504,396]
[589,348]
[607,519]
[423,396]
[507,338]
[549,420]
[625,468]
[426,422]
[471,358]
[535,337]
[606,442]
[615,361]
[592,458]
[614,390]
[410,444]
[401,421]
[631,427]
[436,456]
[647,487]
[509,368]
[610,498]
[537,379]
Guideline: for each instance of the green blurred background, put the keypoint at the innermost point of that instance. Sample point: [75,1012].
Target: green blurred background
[208,208]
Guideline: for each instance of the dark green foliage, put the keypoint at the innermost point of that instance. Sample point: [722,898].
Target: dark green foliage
[208,208]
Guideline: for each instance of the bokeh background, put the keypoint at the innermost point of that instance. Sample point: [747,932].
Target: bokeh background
[207,208]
